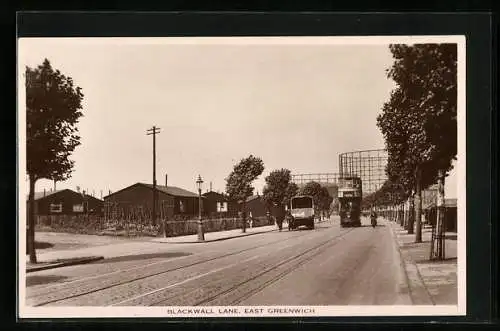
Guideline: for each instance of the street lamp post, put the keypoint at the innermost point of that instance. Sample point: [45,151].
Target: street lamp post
[201,235]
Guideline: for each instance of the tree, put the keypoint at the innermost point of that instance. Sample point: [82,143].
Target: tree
[53,107]
[419,120]
[321,198]
[279,189]
[239,182]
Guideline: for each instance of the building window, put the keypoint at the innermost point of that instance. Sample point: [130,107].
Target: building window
[182,206]
[221,207]
[78,208]
[56,208]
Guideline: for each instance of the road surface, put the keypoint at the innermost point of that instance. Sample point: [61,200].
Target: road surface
[329,265]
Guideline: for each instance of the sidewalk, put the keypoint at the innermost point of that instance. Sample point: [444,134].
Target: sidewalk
[430,282]
[217,236]
[55,258]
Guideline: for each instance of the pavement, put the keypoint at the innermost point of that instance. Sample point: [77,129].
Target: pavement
[67,249]
[329,265]
[217,236]
[430,282]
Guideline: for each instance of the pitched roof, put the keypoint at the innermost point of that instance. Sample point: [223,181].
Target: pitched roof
[253,197]
[170,190]
[173,190]
[41,195]
[215,195]
[448,203]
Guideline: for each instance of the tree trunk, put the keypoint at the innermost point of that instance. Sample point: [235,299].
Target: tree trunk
[440,216]
[30,237]
[411,218]
[418,207]
[244,216]
[400,217]
[403,215]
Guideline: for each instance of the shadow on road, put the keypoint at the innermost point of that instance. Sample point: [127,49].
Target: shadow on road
[450,260]
[412,244]
[369,225]
[39,280]
[137,257]
[316,228]
[43,245]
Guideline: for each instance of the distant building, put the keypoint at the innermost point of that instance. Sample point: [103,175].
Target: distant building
[450,214]
[257,207]
[66,202]
[171,200]
[218,204]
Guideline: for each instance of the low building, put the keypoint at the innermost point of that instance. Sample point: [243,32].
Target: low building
[66,202]
[450,214]
[256,206]
[171,200]
[218,204]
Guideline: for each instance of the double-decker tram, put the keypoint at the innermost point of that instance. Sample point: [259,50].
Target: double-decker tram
[350,196]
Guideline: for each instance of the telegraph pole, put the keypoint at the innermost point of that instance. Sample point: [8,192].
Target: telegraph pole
[154,131]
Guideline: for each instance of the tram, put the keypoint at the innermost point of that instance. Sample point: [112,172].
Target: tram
[350,196]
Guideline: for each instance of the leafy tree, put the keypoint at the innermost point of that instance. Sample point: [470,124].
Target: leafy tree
[321,197]
[53,107]
[419,120]
[239,182]
[279,189]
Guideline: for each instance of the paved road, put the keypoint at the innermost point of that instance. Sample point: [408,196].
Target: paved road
[325,266]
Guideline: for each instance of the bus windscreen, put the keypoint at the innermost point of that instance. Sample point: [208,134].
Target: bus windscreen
[302,203]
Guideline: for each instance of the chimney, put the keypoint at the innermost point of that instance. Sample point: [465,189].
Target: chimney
[43,192]
[166,180]
[210,186]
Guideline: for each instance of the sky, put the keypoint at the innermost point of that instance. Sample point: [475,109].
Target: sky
[296,106]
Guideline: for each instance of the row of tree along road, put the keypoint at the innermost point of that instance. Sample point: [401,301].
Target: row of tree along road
[419,124]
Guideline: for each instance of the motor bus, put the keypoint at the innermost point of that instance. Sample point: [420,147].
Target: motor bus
[302,212]
[350,196]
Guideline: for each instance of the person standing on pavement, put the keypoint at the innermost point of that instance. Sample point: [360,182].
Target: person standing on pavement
[279,222]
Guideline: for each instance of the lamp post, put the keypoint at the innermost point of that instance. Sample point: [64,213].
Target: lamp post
[201,235]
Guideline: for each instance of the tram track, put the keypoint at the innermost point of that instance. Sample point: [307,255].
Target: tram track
[81,287]
[273,275]
[199,294]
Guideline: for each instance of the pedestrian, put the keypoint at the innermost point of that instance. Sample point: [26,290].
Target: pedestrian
[289,220]
[279,221]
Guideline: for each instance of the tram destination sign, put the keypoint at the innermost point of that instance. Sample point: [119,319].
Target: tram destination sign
[348,194]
